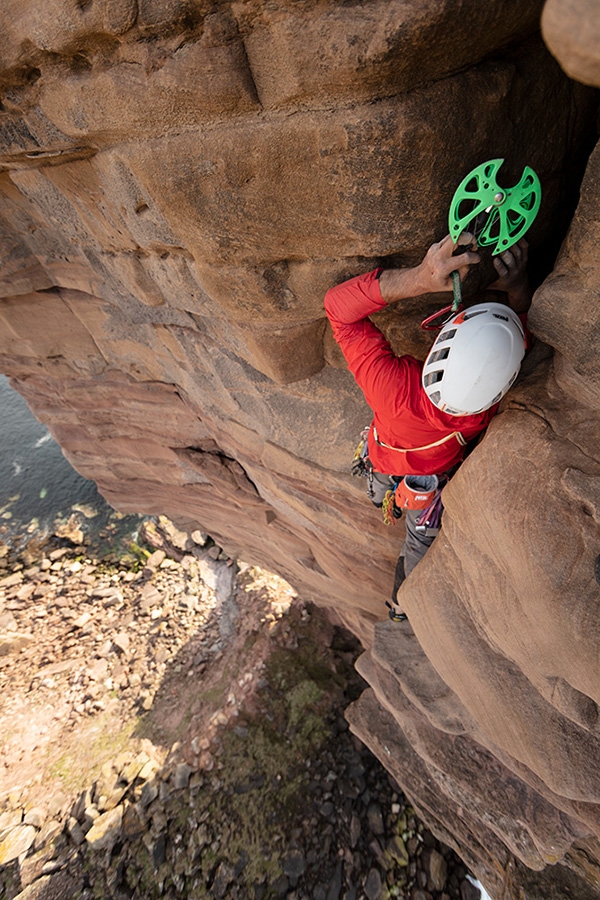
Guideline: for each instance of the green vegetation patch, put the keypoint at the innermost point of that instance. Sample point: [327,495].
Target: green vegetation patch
[234,824]
[264,764]
[103,744]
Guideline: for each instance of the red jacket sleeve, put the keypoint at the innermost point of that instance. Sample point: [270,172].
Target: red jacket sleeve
[378,371]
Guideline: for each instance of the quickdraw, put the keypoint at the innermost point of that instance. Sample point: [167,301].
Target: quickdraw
[361,466]
[358,466]
[497,217]
[431,323]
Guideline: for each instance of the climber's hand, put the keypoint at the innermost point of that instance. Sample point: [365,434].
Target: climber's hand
[433,274]
[439,263]
[511,267]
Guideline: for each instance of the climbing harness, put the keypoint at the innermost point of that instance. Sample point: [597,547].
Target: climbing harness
[406,491]
[454,434]
[497,217]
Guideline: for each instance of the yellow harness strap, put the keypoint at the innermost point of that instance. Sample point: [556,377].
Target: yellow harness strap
[455,434]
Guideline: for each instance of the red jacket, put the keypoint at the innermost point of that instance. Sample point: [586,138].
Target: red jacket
[404,416]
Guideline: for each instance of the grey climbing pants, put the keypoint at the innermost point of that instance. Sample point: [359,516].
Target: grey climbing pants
[417,543]
[380,486]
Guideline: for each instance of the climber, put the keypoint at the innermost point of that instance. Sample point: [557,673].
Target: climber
[426,413]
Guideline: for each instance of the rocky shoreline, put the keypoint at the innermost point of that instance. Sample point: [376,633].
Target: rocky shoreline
[172,725]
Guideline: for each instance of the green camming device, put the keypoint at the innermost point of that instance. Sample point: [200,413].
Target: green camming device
[497,217]
[508,212]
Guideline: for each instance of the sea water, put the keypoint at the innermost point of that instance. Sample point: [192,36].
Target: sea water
[39,489]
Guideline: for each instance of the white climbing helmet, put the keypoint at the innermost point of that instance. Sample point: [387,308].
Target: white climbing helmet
[474,360]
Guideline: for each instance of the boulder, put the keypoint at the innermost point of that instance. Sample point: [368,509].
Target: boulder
[106,829]
[16,843]
[572,33]
[13,642]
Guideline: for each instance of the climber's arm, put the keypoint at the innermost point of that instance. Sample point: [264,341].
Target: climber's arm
[370,358]
[432,275]
[354,300]
[375,366]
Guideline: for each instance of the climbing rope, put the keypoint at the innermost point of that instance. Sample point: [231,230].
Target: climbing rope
[387,508]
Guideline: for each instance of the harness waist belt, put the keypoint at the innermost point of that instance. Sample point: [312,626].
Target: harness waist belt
[455,434]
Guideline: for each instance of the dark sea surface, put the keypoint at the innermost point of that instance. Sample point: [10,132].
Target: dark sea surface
[40,490]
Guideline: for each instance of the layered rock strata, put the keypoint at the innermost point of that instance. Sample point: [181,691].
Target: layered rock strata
[180,182]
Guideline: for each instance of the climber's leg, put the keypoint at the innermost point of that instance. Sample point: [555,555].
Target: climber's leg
[395,612]
[418,540]
[399,577]
[414,548]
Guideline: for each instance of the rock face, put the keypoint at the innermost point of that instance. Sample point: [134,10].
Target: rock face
[572,32]
[179,184]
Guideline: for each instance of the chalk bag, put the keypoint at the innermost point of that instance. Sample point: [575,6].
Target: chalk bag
[416,491]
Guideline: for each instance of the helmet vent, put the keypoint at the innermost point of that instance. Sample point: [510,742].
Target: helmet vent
[438,354]
[432,378]
[471,315]
[435,398]
[446,336]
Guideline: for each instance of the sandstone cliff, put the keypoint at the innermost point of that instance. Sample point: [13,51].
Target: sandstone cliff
[180,182]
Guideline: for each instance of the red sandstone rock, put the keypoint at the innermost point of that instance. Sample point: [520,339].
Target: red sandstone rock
[572,32]
[178,188]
